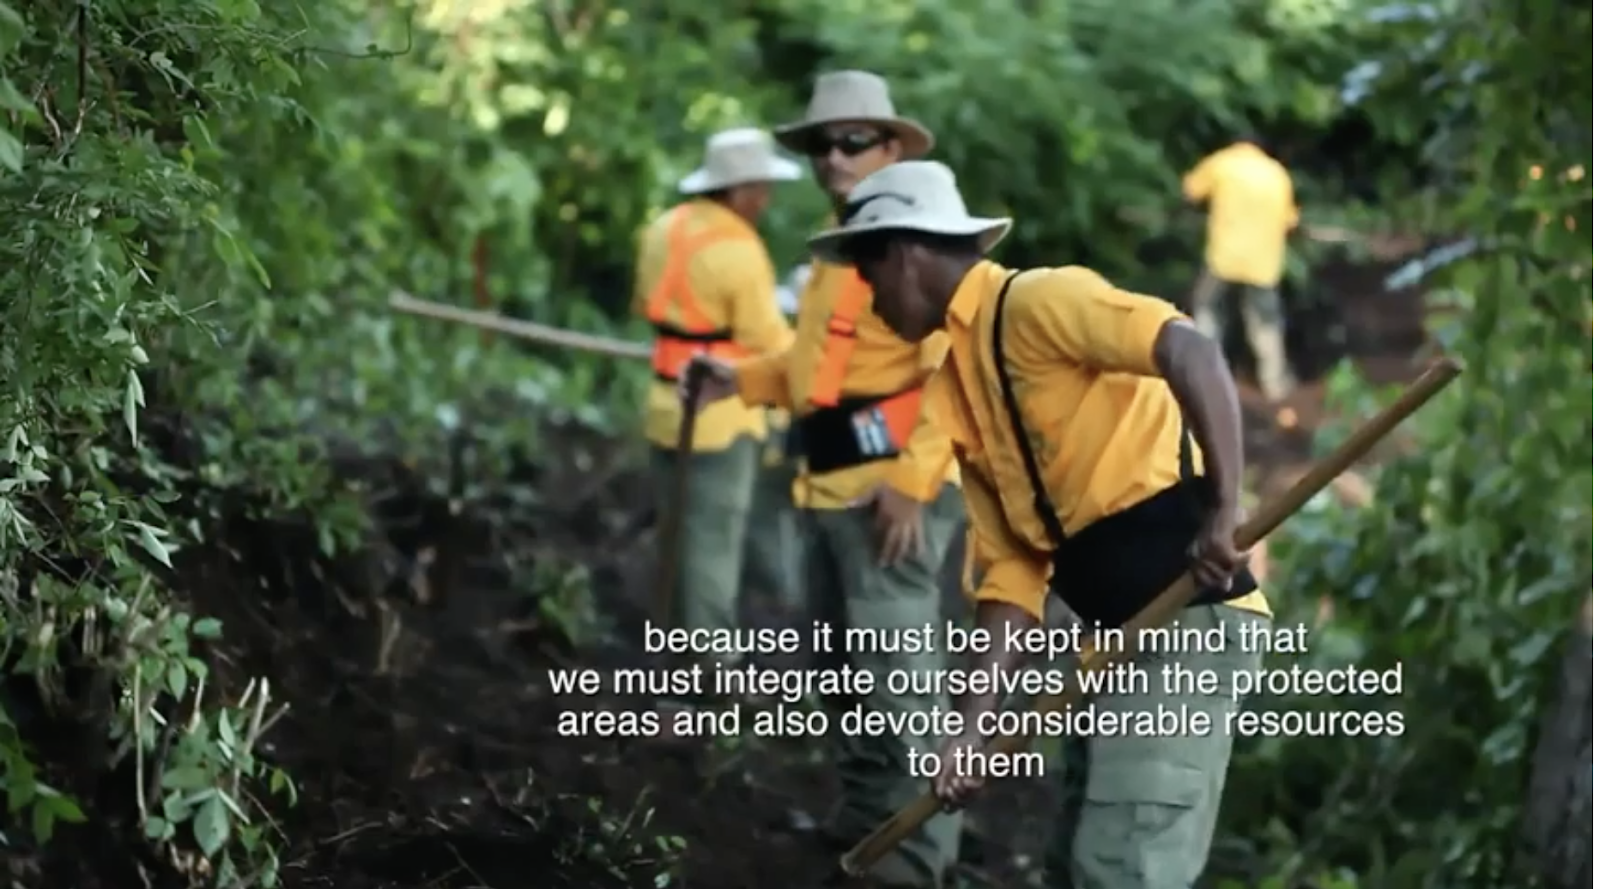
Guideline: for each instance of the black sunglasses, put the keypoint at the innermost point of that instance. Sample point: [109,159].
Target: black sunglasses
[851,144]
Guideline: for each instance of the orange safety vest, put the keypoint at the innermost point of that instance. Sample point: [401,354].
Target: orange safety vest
[880,425]
[693,334]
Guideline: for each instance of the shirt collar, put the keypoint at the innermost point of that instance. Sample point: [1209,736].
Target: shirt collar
[723,215]
[978,281]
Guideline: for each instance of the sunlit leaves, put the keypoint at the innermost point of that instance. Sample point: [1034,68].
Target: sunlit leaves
[101,279]
[1470,568]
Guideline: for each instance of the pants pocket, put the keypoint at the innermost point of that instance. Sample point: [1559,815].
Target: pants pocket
[1143,825]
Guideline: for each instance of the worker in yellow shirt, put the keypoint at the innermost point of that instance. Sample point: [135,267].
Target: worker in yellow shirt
[1098,434]
[1251,210]
[705,283]
[878,493]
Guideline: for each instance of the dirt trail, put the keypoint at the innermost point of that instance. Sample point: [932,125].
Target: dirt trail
[422,735]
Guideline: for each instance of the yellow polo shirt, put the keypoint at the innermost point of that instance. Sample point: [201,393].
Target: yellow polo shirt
[1080,354]
[1251,212]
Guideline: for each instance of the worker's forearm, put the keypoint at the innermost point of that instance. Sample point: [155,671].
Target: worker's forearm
[998,618]
[1196,370]
[763,381]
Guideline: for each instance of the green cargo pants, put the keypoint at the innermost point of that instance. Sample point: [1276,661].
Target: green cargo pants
[706,595]
[846,587]
[772,546]
[1263,328]
[1139,811]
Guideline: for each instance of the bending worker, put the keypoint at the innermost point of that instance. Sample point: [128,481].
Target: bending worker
[1066,401]
[1251,210]
[877,495]
[706,283]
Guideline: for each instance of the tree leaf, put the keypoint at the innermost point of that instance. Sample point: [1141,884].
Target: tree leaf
[10,99]
[10,152]
[211,826]
[280,783]
[153,545]
[174,808]
[130,407]
[185,778]
[66,809]
[177,679]
[44,821]
[207,628]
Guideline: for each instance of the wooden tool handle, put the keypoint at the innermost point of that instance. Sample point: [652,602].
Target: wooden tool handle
[527,330]
[902,824]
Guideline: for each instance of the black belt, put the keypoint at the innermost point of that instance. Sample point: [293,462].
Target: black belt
[1112,568]
[709,338]
[721,335]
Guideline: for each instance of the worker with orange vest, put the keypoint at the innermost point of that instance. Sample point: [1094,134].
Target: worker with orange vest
[705,283]
[878,492]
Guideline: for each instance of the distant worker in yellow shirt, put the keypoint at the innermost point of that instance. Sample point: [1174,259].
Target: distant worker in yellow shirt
[1251,212]
[1101,455]
[706,284]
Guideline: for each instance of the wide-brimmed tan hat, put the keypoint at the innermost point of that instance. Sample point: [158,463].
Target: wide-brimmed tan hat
[854,97]
[738,157]
[918,196]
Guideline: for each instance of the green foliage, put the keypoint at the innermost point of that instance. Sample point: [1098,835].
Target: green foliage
[514,149]
[209,203]
[1075,117]
[95,188]
[1471,566]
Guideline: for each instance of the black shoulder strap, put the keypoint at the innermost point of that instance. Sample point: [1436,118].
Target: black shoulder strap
[1041,498]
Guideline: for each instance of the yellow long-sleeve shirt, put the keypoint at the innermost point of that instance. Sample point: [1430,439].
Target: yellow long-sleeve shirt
[880,364]
[1081,358]
[776,451]
[733,281]
[1252,210]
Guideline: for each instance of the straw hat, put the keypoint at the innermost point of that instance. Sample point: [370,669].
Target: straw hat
[854,97]
[918,196]
[738,157]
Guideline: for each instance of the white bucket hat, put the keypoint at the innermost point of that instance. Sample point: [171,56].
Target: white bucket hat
[738,157]
[918,196]
[854,97]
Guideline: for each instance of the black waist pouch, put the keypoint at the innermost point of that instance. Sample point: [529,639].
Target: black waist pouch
[1111,569]
[844,435]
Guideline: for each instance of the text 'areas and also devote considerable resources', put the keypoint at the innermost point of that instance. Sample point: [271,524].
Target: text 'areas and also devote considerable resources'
[1177,681]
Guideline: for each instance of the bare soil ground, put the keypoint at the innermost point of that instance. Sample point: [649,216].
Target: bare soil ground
[422,726]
